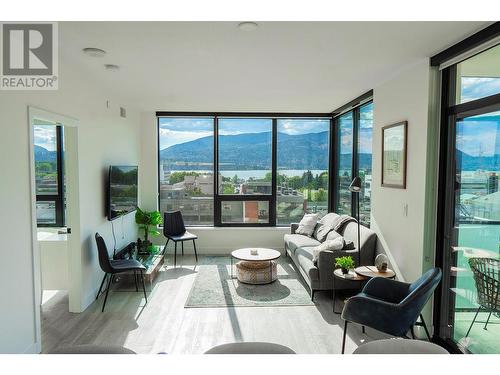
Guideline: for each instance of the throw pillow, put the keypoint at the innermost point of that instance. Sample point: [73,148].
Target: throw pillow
[348,244]
[321,231]
[307,224]
[328,245]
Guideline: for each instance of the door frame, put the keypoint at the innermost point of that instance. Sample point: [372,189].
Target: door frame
[72,219]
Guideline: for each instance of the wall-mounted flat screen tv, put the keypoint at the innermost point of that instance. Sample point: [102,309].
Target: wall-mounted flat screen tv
[122,190]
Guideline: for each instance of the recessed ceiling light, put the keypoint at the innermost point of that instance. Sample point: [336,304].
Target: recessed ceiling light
[248,26]
[112,67]
[94,52]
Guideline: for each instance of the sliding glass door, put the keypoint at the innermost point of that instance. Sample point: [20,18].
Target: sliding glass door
[469,304]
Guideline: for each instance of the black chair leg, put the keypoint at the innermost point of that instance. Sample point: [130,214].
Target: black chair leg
[182,247]
[107,292]
[412,333]
[165,248]
[487,320]
[312,295]
[195,254]
[143,287]
[175,254]
[363,329]
[425,327]
[135,280]
[473,320]
[100,288]
[344,336]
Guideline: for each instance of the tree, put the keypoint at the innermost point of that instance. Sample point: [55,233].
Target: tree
[228,189]
[235,179]
[321,196]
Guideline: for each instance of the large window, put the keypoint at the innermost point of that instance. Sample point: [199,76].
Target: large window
[245,156]
[186,162]
[49,176]
[243,170]
[345,162]
[302,168]
[354,158]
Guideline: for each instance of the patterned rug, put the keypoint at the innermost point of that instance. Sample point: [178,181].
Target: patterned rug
[214,287]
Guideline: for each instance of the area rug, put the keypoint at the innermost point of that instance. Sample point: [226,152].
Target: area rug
[214,287]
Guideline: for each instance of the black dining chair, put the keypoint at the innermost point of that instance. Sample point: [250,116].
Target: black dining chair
[486,273]
[391,306]
[174,229]
[112,267]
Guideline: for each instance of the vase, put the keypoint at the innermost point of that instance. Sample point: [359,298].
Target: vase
[345,271]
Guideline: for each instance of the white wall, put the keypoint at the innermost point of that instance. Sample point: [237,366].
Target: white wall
[104,139]
[404,97]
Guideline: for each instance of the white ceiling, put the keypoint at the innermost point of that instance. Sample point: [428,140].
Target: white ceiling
[280,67]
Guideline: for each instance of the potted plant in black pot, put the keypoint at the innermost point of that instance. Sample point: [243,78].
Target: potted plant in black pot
[147,221]
[345,263]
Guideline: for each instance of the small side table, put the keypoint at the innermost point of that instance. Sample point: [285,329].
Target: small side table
[352,278]
[369,272]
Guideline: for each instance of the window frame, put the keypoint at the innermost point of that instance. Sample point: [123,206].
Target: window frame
[58,198]
[451,113]
[354,107]
[270,198]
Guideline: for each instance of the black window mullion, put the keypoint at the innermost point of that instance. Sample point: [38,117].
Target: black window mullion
[274,173]
[60,178]
[355,158]
[217,201]
[332,167]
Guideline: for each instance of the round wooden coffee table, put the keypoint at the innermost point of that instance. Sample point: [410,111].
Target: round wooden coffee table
[372,271]
[257,268]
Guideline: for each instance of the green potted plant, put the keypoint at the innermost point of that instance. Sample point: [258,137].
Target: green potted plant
[147,221]
[345,263]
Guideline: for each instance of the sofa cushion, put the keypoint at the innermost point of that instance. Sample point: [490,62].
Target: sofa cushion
[328,245]
[304,257]
[307,224]
[348,244]
[293,241]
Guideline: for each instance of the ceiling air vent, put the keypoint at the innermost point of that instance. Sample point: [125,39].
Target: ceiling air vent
[123,112]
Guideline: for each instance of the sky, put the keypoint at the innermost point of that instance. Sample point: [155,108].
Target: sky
[180,130]
[45,136]
[479,135]
[478,87]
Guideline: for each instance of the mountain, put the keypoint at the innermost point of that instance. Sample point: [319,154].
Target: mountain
[44,155]
[472,163]
[253,151]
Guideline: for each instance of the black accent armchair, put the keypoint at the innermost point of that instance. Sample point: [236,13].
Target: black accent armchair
[113,267]
[174,229]
[391,306]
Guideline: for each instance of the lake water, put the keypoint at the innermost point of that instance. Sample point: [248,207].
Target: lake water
[262,173]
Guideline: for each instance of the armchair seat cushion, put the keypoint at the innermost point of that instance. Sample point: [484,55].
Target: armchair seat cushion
[400,346]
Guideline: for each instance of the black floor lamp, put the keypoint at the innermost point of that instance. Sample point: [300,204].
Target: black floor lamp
[355,187]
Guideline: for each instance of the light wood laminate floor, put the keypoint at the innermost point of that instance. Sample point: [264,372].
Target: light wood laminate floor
[164,325]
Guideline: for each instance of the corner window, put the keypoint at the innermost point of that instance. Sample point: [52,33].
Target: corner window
[354,158]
